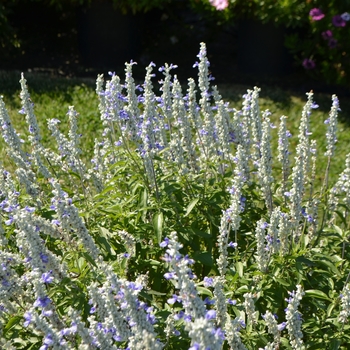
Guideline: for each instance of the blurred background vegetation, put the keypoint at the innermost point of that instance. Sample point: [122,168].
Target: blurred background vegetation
[250,41]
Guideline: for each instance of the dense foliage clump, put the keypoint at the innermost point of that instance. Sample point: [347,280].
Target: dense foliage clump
[183,231]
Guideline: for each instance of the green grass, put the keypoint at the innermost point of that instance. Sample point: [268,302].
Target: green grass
[52,95]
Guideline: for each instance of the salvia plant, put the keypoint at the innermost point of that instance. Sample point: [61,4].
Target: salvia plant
[187,226]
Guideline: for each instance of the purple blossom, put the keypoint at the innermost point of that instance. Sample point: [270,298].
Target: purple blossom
[191,275]
[47,313]
[288,133]
[242,323]
[211,314]
[9,221]
[44,258]
[232,245]
[188,260]
[209,301]
[264,225]
[29,209]
[151,319]
[173,300]
[28,318]
[134,286]
[55,222]
[167,258]
[309,63]
[42,302]
[231,302]
[65,331]
[208,281]
[309,218]
[194,347]
[10,208]
[326,35]
[187,318]
[169,275]
[316,14]
[164,243]
[179,316]
[47,277]
[338,21]
[281,326]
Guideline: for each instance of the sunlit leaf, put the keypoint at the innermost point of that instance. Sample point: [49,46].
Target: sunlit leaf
[191,206]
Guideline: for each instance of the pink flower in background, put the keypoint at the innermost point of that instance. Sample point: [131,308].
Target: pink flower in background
[309,64]
[327,35]
[316,14]
[219,4]
[338,21]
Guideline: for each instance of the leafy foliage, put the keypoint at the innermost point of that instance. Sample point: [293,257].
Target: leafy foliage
[169,231]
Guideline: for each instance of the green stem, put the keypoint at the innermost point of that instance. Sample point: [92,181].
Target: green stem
[324,192]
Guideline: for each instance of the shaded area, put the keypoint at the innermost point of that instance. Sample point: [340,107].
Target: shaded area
[83,41]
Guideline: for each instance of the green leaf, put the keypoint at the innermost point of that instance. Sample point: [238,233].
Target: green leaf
[154,262]
[243,289]
[143,199]
[338,230]
[89,259]
[331,266]
[19,341]
[304,240]
[13,321]
[335,344]
[285,343]
[314,293]
[191,206]
[204,291]
[104,242]
[239,268]
[330,309]
[205,258]
[104,192]
[34,342]
[158,225]
[154,292]
[104,232]
[302,259]
[282,281]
